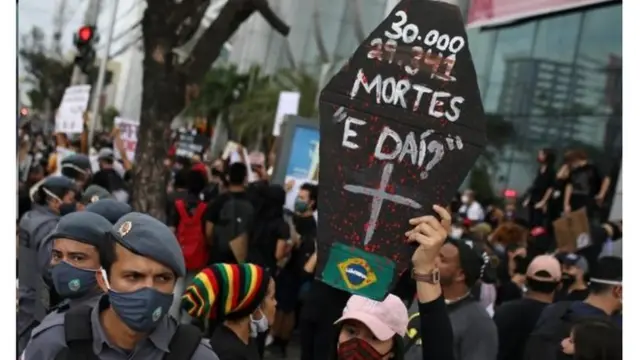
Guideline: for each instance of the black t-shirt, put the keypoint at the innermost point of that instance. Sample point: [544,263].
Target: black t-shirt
[171,201]
[508,291]
[585,182]
[322,296]
[543,181]
[227,346]
[515,320]
[265,241]
[215,206]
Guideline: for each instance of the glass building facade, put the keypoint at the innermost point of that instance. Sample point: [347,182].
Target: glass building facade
[558,80]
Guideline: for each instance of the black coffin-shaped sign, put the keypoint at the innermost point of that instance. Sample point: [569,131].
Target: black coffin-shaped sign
[401,125]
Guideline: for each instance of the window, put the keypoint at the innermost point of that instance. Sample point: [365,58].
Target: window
[599,95]
[556,38]
[481,46]
[512,44]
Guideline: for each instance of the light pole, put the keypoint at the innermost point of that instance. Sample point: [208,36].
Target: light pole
[97,92]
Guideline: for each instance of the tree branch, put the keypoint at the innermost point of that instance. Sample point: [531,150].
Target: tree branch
[232,15]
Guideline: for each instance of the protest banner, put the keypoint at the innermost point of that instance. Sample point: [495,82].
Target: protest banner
[128,134]
[190,143]
[401,125]
[69,119]
[287,105]
[572,231]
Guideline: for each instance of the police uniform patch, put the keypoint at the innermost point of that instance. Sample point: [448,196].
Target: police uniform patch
[74,285]
[124,228]
[356,273]
[94,198]
[156,314]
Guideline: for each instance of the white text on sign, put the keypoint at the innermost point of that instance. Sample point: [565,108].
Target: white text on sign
[391,146]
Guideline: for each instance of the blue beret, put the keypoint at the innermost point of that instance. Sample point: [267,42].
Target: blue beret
[58,185]
[85,227]
[146,236]
[110,209]
[78,160]
[94,193]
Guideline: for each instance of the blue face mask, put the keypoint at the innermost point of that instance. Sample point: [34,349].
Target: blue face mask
[300,206]
[72,282]
[141,310]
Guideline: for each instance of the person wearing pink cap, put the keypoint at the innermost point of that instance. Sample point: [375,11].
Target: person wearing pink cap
[370,329]
[516,319]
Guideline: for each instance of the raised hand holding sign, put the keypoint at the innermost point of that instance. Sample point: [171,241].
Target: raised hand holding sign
[401,125]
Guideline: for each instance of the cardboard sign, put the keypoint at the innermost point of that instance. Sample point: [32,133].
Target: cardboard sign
[190,143]
[287,105]
[74,103]
[128,135]
[572,231]
[401,125]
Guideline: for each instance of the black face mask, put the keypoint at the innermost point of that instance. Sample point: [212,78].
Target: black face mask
[521,265]
[304,224]
[567,280]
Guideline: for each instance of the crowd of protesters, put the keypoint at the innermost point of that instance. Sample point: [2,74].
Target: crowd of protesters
[244,273]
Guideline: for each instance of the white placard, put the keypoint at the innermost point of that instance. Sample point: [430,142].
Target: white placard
[128,134]
[287,105]
[74,102]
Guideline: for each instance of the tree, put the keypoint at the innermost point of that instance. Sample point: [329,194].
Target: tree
[253,117]
[48,76]
[167,25]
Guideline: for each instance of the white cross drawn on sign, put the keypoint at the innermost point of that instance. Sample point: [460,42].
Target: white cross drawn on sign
[379,195]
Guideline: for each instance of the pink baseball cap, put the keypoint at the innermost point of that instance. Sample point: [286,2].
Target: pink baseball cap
[545,268]
[383,318]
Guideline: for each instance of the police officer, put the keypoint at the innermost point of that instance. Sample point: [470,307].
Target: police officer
[110,209]
[78,244]
[139,272]
[78,168]
[53,198]
[94,193]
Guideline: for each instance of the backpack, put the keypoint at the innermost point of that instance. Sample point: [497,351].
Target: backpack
[79,338]
[232,229]
[191,237]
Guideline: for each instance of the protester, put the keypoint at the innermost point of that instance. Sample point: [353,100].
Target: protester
[470,208]
[574,284]
[178,191]
[110,209]
[110,176]
[604,301]
[541,189]
[138,275]
[186,222]
[229,218]
[512,272]
[516,319]
[239,301]
[55,197]
[555,205]
[584,184]
[461,265]
[594,339]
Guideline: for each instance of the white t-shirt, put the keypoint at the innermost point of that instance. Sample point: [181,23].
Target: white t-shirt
[473,212]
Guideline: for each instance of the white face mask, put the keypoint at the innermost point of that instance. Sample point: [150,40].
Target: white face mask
[456,232]
[260,325]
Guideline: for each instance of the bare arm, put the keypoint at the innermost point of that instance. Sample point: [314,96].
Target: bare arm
[281,249]
[604,187]
[567,195]
[208,231]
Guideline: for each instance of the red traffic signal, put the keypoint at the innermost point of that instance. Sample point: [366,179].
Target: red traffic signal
[85,34]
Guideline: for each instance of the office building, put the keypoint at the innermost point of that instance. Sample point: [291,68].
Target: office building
[555,74]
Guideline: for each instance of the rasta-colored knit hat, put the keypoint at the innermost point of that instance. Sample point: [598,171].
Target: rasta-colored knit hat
[224,291]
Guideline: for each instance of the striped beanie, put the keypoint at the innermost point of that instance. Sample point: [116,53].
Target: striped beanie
[223,291]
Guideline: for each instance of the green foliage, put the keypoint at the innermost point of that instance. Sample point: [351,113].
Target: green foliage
[108,116]
[248,102]
[47,76]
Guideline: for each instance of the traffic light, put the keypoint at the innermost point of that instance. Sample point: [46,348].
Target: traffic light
[84,40]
